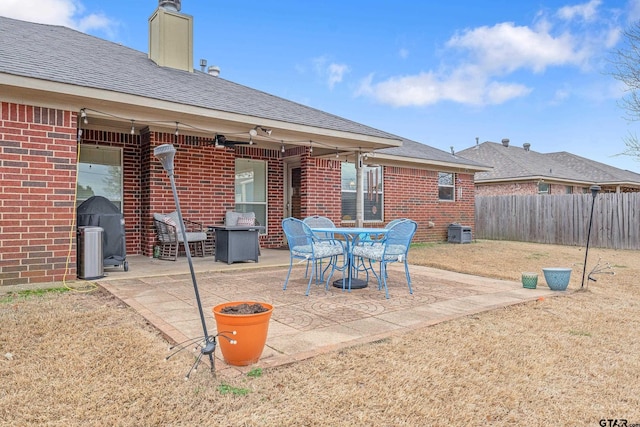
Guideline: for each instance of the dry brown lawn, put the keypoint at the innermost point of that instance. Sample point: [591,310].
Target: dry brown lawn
[78,359]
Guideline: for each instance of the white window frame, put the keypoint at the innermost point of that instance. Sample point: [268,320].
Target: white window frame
[348,185]
[240,205]
[94,157]
[452,186]
[544,184]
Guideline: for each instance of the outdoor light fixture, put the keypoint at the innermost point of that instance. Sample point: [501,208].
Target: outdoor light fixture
[265,130]
[594,192]
[83,115]
[165,153]
[222,141]
[133,128]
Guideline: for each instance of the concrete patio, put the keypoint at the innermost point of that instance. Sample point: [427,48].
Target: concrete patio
[301,326]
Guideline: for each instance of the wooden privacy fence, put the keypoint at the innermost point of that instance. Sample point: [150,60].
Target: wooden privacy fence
[562,219]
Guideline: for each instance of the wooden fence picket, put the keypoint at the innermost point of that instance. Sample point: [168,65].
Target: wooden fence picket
[561,219]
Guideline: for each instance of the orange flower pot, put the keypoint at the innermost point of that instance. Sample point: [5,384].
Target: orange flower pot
[251,333]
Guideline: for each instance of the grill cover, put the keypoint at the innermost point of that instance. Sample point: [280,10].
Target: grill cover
[100,212]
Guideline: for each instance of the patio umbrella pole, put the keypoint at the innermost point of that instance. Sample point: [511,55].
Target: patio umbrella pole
[165,153]
[594,192]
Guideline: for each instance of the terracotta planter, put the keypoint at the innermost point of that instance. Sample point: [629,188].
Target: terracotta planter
[251,333]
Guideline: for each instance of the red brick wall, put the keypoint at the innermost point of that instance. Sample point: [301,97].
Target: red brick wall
[522,188]
[39,155]
[413,193]
[204,178]
[205,182]
[38,148]
[321,188]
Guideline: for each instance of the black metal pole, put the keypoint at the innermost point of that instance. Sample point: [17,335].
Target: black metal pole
[165,154]
[594,192]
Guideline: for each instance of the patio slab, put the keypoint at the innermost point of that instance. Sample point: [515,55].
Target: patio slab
[304,326]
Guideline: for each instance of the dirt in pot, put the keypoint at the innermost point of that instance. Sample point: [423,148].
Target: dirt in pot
[244,309]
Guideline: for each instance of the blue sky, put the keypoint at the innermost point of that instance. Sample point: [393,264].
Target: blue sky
[440,73]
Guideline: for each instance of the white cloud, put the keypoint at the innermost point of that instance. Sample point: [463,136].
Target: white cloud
[464,86]
[505,48]
[68,13]
[481,60]
[336,73]
[331,71]
[586,11]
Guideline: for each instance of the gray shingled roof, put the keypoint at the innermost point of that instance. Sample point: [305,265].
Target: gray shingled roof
[516,163]
[59,54]
[598,172]
[418,150]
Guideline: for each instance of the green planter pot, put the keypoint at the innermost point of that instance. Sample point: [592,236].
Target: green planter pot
[529,280]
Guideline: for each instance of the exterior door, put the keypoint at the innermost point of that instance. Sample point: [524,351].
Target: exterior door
[293,202]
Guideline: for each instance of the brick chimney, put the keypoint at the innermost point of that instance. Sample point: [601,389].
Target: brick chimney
[171,36]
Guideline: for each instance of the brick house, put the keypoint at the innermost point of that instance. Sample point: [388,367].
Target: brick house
[81,116]
[522,171]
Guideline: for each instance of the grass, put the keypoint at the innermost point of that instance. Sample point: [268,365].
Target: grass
[30,293]
[87,359]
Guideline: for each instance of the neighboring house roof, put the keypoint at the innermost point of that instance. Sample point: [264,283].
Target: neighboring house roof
[598,172]
[419,151]
[512,163]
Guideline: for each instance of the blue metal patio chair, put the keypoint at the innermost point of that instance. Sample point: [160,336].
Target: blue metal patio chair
[304,245]
[320,222]
[393,248]
[366,239]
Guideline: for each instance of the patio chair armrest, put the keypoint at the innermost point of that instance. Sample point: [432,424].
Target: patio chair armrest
[166,232]
[192,225]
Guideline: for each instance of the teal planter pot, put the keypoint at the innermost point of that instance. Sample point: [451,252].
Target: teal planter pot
[557,278]
[529,280]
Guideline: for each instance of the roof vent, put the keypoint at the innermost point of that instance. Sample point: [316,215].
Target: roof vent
[214,70]
[526,146]
[505,142]
[173,5]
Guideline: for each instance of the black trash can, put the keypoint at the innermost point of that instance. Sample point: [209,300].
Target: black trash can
[89,260]
[459,234]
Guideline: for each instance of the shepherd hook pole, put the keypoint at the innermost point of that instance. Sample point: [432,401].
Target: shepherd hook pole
[165,153]
[594,192]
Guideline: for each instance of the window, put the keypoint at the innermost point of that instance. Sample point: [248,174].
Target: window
[100,174]
[251,188]
[372,191]
[568,189]
[446,187]
[543,188]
